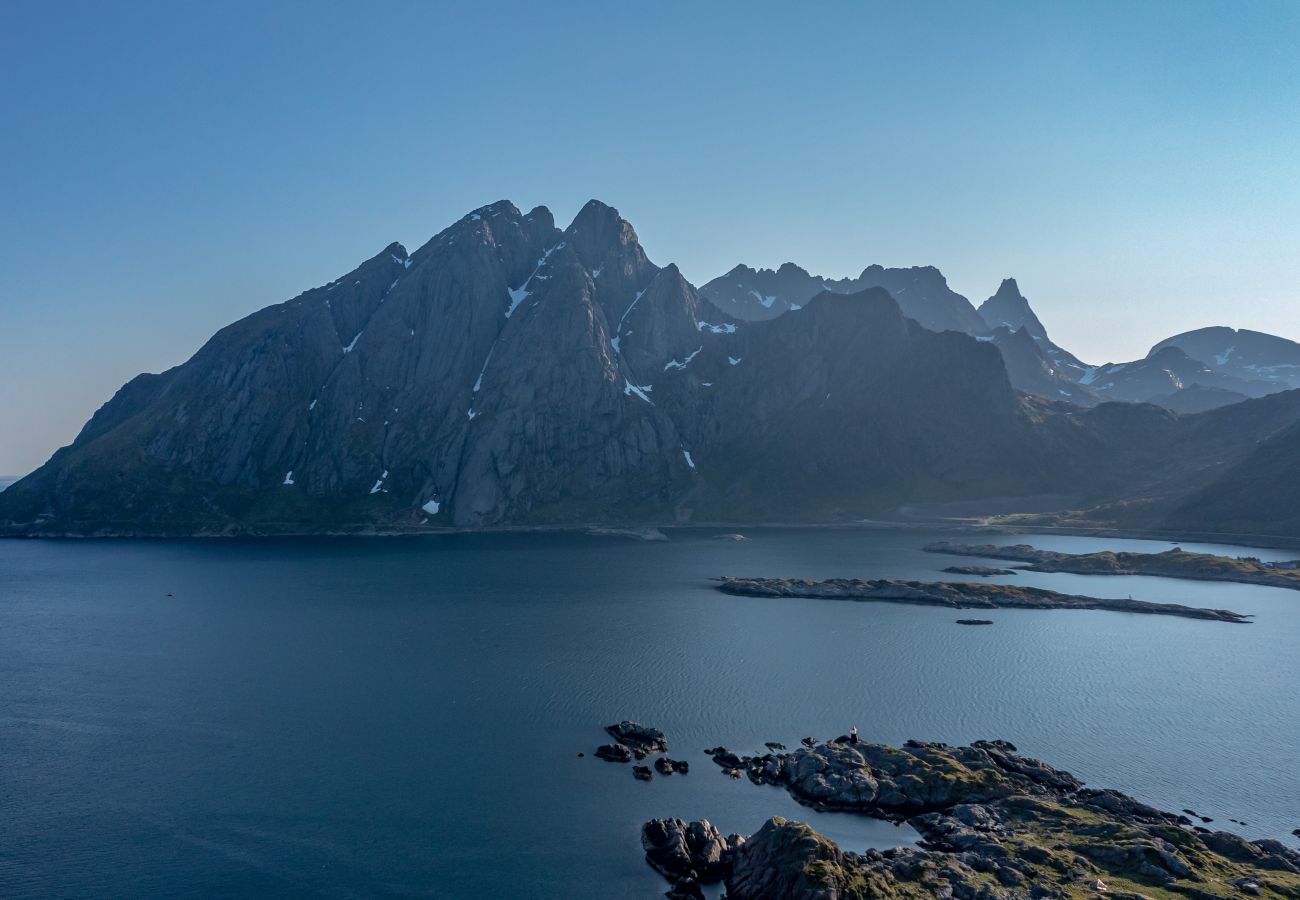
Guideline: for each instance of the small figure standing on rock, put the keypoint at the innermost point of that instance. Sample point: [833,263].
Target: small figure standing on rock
[853,735]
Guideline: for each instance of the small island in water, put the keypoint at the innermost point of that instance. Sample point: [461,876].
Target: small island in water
[993,823]
[1173,563]
[959,595]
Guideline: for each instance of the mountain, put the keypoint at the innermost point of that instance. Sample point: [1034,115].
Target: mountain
[754,295]
[1248,355]
[1008,308]
[1033,370]
[1221,474]
[509,373]
[1163,373]
[1258,494]
[1197,398]
[922,293]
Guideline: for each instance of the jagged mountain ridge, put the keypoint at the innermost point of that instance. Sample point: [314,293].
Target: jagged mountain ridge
[755,295]
[1218,366]
[924,296]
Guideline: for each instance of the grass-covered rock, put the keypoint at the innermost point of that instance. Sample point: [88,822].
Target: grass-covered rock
[994,824]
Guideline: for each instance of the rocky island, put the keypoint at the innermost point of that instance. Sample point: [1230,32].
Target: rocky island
[1173,563]
[994,824]
[958,595]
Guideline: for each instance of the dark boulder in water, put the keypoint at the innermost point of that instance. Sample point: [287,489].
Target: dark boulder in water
[639,737]
[614,753]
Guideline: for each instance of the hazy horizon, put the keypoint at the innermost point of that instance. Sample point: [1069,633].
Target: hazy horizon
[171,170]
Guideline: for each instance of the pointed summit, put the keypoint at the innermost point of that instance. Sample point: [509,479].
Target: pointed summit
[1010,308]
[598,230]
[1009,288]
[607,248]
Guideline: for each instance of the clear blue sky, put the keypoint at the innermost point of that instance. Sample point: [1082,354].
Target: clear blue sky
[168,167]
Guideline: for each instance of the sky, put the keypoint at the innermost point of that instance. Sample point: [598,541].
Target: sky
[167,168]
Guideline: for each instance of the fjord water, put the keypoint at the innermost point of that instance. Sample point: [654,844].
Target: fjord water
[402,716]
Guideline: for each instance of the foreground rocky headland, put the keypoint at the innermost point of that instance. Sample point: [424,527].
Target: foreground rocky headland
[1174,563]
[958,595]
[994,824]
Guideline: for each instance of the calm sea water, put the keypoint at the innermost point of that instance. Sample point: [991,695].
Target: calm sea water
[402,716]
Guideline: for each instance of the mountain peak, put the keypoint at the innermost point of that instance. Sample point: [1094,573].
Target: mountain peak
[499,208]
[600,236]
[601,219]
[1009,307]
[1009,289]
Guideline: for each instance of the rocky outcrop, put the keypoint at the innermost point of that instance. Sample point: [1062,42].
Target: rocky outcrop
[642,739]
[958,595]
[614,753]
[1173,563]
[994,824]
[695,851]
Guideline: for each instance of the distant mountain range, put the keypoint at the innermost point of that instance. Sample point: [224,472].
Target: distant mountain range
[509,373]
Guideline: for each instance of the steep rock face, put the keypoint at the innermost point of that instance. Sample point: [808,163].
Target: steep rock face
[1249,355]
[557,433]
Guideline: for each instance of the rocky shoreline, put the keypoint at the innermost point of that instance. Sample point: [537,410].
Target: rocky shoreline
[958,595]
[1174,563]
[995,825]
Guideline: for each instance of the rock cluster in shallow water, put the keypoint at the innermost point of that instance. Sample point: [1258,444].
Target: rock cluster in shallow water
[994,825]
